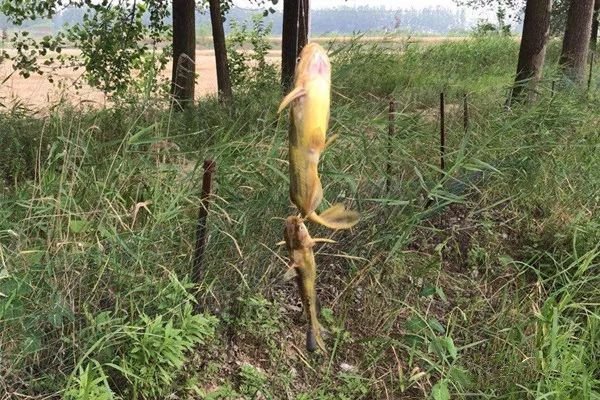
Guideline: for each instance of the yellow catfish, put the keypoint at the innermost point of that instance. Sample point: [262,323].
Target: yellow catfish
[309,117]
[300,245]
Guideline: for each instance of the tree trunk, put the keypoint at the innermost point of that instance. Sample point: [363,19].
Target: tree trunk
[289,43]
[223,79]
[573,58]
[303,23]
[595,22]
[536,30]
[184,52]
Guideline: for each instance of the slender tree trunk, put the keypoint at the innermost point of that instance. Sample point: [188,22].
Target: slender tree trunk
[184,52]
[536,30]
[289,43]
[573,58]
[223,79]
[303,23]
[595,23]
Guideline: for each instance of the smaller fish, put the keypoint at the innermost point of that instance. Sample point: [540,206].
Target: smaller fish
[300,245]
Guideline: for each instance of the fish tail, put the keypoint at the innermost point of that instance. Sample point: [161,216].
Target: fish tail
[313,334]
[335,217]
[314,339]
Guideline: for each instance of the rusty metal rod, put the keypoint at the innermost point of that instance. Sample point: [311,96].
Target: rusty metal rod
[466,112]
[209,167]
[442,135]
[391,129]
[591,71]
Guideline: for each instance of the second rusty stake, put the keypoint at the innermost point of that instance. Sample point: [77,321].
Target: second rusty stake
[442,135]
[209,167]
[391,127]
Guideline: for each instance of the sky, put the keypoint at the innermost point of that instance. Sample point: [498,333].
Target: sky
[384,3]
[371,3]
[392,4]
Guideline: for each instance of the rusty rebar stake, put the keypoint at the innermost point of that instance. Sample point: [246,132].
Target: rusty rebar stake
[209,167]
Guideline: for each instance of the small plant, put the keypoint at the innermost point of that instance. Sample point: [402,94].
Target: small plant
[485,28]
[258,318]
[253,382]
[158,350]
[90,384]
[248,68]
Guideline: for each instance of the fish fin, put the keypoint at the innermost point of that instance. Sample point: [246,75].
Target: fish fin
[291,96]
[291,273]
[323,240]
[329,141]
[336,217]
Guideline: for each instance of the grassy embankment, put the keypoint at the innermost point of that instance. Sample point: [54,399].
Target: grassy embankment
[490,292]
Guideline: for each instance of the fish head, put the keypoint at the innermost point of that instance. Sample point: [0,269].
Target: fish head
[313,63]
[295,233]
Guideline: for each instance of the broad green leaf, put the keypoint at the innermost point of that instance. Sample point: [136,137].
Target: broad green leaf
[436,325]
[427,291]
[451,347]
[32,257]
[440,391]
[78,225]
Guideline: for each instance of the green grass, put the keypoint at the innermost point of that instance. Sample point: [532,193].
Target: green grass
[489,291]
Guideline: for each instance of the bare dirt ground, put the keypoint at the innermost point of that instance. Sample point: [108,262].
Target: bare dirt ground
[38,93]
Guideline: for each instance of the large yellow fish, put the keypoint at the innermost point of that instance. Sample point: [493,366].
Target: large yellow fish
[309,118]
[300,245]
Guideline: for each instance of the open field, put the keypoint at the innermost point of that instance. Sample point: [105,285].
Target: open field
[480,281]
[37,92]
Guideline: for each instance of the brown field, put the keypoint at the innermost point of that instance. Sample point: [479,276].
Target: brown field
[38,93]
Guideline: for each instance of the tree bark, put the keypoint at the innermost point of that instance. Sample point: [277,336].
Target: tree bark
[303,23]
[223,78]
[573,59]
[532,53]
[289,43]
[595,23]
[184,52]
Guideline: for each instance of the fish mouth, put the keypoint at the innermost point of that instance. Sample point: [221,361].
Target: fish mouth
[319,65]
[314,61]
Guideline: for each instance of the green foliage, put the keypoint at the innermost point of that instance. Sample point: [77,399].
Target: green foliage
[501,28]
[480,281]
[113,48]
[113,40]
[248,67]
[157,350]
[424,70]
[253,383]
[258,318]
[90,384]
[558,17]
